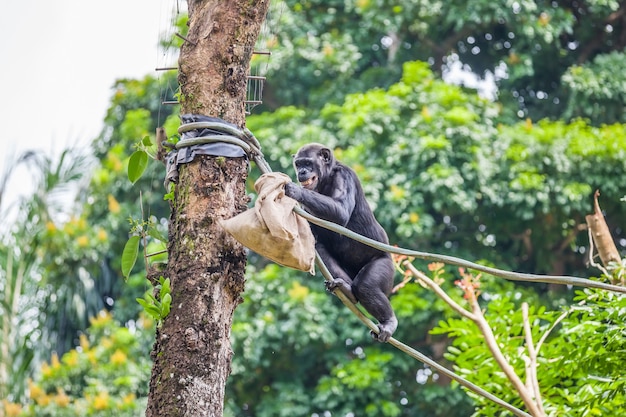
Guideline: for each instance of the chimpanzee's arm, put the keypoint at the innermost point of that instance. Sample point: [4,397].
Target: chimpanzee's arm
[336,207]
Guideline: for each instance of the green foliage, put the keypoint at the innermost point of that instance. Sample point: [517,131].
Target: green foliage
[105,375]
[158,308]
[598,91]
[580,362]
[138,161]
[137,165]
[444,175]
[129,255]
[298,352]
[441,170]
[26,291]
[326,50]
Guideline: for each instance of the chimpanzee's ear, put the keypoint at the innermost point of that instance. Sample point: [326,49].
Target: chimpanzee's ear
[326,155]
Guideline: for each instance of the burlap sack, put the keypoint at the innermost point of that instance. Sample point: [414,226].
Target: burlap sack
[272,229]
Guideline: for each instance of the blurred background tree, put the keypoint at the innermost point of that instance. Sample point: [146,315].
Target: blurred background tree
[546,58]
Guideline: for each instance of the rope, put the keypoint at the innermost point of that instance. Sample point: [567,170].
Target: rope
[513,276]
[226,133]
[245,139]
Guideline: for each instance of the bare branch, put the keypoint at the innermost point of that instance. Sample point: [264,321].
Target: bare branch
[532,354]
[479,319]
[503,363]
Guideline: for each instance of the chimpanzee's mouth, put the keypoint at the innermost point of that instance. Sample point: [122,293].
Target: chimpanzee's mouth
[309,183]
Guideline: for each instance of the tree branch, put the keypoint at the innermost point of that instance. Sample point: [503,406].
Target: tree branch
[479,319]
[503,363]
[531,369]
[414,353]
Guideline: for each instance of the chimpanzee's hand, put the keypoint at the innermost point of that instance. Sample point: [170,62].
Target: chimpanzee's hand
[293,190]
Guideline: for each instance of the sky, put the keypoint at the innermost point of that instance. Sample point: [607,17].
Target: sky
[58,62]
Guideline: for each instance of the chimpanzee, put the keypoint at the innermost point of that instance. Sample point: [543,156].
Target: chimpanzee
[332,191]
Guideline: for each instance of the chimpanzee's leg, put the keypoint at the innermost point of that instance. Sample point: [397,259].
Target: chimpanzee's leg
[372,286]
[341,278]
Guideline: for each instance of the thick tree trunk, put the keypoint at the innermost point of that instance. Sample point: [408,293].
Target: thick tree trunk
[192,352]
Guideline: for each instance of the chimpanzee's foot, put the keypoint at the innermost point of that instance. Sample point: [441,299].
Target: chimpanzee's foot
[385,330]
[343,286]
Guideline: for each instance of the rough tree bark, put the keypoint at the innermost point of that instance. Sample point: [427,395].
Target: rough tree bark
[192,352]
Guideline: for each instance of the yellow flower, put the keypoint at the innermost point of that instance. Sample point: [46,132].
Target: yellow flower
[101,402]
[46,371]
[102,235]
[38,394]
[82,241]
[61,399]
[43,400]
[11,409]
[118,358]
[514,58]
[114,162]
[50,226]
[397,193]
[414,217]
[71,358]
[528,124]
[54,361]
[70,227]
[145,321]
[298,291]
[106,342]
[35,391]
[103,318]
[129,399]
[84,342]
[91,356]
[426,114]
[114,206]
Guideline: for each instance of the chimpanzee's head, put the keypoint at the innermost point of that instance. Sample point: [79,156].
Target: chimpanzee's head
[313,163]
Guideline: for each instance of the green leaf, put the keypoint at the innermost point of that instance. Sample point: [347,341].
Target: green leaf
[151,309]
[153,232]
[137,165]
[129,255]
[165,287]
[146,141]
[166,302]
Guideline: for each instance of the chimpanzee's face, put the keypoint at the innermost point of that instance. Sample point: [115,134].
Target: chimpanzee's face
[312,163]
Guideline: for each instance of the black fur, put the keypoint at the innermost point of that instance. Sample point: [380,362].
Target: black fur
[332,191]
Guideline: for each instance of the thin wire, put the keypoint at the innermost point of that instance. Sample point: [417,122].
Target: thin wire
[514,276]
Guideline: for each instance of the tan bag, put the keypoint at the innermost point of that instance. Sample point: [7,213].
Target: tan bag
[272,229]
